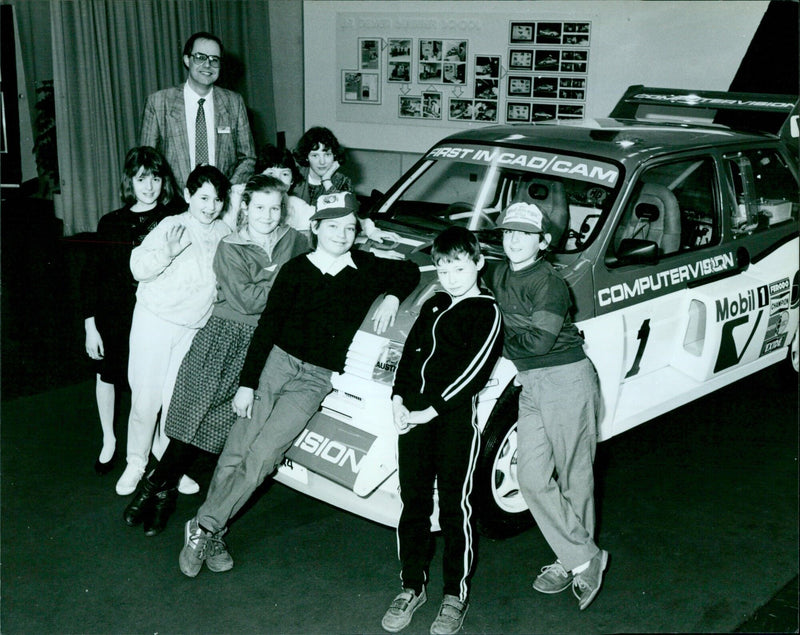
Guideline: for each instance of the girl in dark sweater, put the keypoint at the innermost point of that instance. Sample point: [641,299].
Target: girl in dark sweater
[108,290]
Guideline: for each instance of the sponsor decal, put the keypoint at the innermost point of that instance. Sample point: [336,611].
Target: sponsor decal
[745,302]
[779,304]
[781,286]
[332,449]
[386,365]
[542,162]
[662,281]
[777,325]
[710,102]
[773,345]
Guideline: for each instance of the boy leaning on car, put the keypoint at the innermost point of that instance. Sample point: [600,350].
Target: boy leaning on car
[558,405]
[447,359]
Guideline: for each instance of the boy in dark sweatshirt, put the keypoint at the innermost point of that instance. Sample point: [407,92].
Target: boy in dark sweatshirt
[558,405]
[447,359]
[314,309]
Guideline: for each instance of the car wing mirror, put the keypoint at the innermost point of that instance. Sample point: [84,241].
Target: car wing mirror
[634,251]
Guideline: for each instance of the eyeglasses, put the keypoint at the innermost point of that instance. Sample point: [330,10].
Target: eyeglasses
[201,58]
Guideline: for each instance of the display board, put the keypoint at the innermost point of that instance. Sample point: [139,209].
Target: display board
[404,74]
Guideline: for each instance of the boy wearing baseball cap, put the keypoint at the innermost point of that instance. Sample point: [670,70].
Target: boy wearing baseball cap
[314,309]
[558,405]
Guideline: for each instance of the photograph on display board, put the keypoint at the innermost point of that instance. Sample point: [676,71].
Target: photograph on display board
[517,112]
[546,59]
[574,56]
[359,87]
[399,72]
[455,51]
[487,88]
[576,39]
[460,109]
[543,112]
[454,73]
[430,51]
[520,60]
[569,93]
[430,73]
[431,106]
[548,33]
[519,86]
[522,32]
[572,82]
[545,86]
[369,57]
[410,106]
[485,111]
[573,67]
[487,66]
[570,111]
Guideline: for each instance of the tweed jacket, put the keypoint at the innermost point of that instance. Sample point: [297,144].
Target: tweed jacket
[164,128]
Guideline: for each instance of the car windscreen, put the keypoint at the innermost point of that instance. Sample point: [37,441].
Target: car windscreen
[470,185]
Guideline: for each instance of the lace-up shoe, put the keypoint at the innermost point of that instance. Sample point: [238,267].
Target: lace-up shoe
[202,546]
[401,610]
[450,617]
[586,584]
[554,578]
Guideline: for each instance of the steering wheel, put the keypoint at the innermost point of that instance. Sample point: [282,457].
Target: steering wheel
[460,210]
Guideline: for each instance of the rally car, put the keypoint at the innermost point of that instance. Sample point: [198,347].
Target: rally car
[680,251]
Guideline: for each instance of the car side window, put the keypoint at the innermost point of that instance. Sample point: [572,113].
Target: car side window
[673,205]
[765,190]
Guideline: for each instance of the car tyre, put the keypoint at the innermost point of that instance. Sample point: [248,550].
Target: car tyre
[501,510]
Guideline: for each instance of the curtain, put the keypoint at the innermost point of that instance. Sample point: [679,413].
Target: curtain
[108,55]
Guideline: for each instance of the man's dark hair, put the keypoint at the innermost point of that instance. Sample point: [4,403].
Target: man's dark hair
[202,35]
[318,136]
[454,241]
[203,174]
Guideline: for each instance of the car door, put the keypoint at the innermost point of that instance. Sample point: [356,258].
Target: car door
[682,301]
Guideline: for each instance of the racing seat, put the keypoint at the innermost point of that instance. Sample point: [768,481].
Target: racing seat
[549,196]
[656,216]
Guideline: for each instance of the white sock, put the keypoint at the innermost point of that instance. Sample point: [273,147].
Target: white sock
[581,568]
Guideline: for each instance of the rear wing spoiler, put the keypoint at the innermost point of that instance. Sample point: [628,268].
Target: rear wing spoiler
[751,111]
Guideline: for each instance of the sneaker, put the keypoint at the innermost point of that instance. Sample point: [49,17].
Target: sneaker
[188,485]
[401,610]
[554,578]
[218,559]
[586,584]
[130,479]
[451,616]
[202,546]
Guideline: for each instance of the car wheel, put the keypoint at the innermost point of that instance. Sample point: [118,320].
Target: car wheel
[501,510]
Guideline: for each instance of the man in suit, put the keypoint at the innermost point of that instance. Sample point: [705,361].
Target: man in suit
[197,123]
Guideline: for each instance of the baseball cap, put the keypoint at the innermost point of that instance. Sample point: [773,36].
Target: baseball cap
[335,205]
[525,217]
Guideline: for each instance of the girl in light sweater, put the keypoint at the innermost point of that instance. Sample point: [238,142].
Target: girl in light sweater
[201,414]
[177,287]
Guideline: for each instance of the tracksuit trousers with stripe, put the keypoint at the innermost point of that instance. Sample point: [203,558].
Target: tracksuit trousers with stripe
[447,448]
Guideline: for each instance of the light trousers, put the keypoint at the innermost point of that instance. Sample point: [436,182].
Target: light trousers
[289,392]
[157,348]
[557,438]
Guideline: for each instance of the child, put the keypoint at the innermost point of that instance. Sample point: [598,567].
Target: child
[109,290]
[447,359]
[313,311]
[200,414]
[173,300]
[558,406]
[320,155]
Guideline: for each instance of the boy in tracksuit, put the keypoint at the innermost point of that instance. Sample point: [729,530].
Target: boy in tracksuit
[448,358]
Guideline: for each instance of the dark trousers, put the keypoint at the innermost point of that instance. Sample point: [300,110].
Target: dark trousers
[177,459]
[446,448]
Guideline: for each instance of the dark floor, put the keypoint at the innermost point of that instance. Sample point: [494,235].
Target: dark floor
[699,510]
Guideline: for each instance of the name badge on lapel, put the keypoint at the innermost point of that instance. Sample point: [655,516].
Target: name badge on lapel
[223,130]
